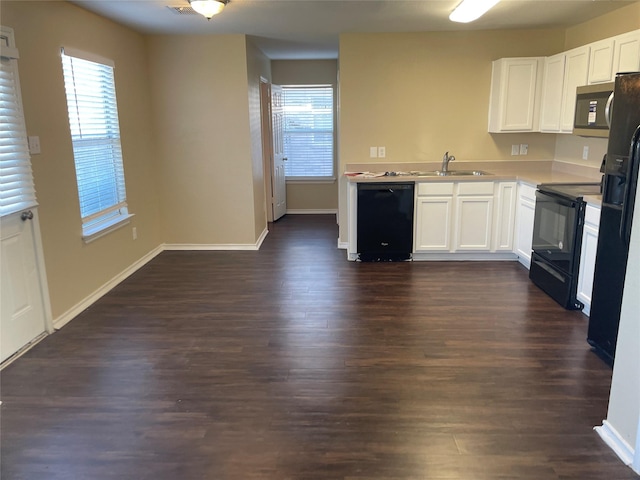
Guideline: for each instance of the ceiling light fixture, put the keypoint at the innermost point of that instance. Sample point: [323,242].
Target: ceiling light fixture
[470,10]
[208,8]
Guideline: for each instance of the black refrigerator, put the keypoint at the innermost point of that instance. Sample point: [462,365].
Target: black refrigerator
[618,198]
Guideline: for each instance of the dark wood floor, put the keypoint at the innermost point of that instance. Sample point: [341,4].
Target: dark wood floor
[292,363]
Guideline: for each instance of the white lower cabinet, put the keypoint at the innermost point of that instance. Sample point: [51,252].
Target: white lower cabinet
[474,216]
[588,256]
[465,219]
[434,209]
[505,216]
[525,215]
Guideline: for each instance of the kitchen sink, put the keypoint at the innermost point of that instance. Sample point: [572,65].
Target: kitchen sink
[450,173]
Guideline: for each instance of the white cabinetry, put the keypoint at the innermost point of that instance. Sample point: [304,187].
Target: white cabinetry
[474,216]
[515,93]
[551,102]
[588,256]
[434,211]
[575,74]
[464,220]
[505,215]
[626,55]
[601,61]
[525,214]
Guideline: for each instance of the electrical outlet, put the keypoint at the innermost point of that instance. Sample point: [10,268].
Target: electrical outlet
[382,152]
[134,231]
[585,152]
[515,150]
[373,152]
[524,148]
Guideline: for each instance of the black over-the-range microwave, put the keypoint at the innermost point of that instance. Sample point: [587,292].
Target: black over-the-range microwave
[593,110]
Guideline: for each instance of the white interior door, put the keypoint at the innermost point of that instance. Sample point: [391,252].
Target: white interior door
[22,312]
[24,299]
[279,186]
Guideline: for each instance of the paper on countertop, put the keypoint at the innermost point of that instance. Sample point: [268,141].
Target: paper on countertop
[365,174]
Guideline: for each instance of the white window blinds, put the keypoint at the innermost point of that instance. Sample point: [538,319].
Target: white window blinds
[308,131]
[93,119]
[16,180]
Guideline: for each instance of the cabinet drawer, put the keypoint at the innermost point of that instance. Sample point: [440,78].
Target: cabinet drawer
[435,188]
[592,216]
[527,191]
[475,188]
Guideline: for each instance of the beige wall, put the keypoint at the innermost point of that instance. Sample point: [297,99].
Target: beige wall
[200,99]
[75,269]
[619,21]
[308,195]
[258,65]
[421,94]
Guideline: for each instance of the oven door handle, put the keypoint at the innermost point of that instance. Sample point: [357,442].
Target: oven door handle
[550,197]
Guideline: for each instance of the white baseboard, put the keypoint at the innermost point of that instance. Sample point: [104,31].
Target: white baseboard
[312,211]
[618,444]
[261,238]
[343,245]
[74,311]
[210,247]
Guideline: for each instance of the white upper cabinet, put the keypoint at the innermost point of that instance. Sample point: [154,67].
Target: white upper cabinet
[551,102]
[626,55]
[601,61]
[515,92]
[575,74]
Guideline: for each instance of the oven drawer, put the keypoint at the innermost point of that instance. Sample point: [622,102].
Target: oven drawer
[556,283]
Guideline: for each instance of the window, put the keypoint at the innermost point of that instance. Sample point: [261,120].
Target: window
[16,180]
[308,131]
[95,134]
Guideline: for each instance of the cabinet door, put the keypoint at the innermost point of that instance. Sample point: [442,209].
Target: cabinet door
[626,55]
[473,222]
[433,223]
[601,61]
[550,108]
[505,216]
[588,257]
[525,214]
[514,85]
[575,74]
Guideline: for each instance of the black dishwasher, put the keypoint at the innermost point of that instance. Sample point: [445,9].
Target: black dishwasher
[385,221]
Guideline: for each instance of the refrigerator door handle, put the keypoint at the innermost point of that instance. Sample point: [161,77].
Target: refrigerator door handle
[607,110]
[630,188]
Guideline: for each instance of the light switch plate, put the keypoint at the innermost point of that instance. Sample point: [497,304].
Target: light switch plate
[373,152]
[585,152]
[524,148]
[34,145]
[382,152]
[515,150]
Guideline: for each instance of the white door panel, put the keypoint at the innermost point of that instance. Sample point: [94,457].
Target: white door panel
[278,174]
[22,306]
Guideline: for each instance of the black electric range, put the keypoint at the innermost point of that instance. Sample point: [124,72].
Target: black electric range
[557,239]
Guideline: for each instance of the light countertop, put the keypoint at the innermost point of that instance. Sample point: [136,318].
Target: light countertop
[532,172]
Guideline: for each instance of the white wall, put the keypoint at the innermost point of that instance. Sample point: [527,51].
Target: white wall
[624,402]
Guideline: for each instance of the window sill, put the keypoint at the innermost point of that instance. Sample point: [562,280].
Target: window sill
[97,231]
[308,180]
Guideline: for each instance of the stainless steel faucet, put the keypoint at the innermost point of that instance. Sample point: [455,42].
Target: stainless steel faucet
[445,161]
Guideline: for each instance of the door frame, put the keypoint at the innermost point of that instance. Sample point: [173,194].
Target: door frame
[267,145]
